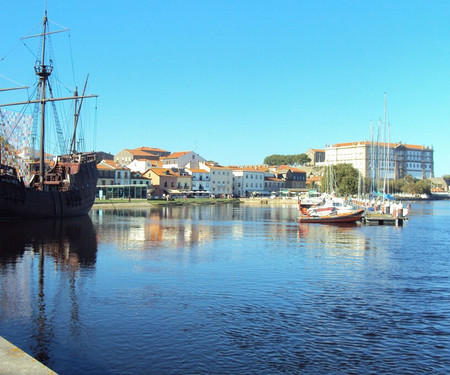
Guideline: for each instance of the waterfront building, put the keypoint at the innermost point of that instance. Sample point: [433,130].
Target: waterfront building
[126,156]
[295,179]
[136,178]
[221,178]
[117,181]
[248,181]
[380,160]
[142,165]
[172,181]
[182,159]
[200,182]
[273,184]
[112,173]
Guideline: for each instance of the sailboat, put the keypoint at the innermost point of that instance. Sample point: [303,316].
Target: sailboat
[69,186]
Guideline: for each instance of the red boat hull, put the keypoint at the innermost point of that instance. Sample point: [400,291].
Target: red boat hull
[350,217]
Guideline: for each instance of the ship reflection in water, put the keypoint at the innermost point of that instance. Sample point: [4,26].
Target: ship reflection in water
[34,254]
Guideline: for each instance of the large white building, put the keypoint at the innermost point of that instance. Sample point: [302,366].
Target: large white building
[247,181]
[220,178]
[183,159]
[393,160]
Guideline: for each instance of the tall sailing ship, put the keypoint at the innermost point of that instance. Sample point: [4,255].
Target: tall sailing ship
[68,185]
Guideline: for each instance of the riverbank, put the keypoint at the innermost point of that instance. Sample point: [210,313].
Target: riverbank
[142,203]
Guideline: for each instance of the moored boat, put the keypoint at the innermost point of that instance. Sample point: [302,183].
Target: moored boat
[65,187]
[333,218]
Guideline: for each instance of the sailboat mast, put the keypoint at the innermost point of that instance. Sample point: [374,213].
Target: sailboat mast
[384,149]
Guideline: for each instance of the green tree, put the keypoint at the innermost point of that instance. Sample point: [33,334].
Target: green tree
[343,179]
[277,159]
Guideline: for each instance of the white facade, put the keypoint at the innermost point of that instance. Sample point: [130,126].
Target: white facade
[111,173]
[247,182]
[200,180]
[221,179]
[393,161]
[137,179]
[122,176]
[140,165]
[185,159]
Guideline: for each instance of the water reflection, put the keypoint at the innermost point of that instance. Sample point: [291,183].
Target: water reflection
[31,251]
[70,241]
[195,226]
[227,289]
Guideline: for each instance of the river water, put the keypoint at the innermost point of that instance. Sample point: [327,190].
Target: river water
[226,289]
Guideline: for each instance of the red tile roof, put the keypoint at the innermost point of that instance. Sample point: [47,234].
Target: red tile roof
[177,155]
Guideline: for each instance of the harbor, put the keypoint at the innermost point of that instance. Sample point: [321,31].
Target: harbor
[227,288]
[241,213]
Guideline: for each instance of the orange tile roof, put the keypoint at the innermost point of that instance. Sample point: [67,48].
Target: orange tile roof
[103,167]
[147,149]
[297,170]
[162,171]
[110,164]
[142,153]
[176,155]
[247,169]
[198,170]
[219,167]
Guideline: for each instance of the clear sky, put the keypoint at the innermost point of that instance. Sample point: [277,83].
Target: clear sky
[237,81]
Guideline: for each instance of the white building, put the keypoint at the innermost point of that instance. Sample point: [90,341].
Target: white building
[221,178]
[393,160]
[183,159]
[137,179]
[141,165]
[112,173]
[200,180]
[247,181]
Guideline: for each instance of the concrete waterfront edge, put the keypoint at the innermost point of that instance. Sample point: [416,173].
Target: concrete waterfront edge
[14,361]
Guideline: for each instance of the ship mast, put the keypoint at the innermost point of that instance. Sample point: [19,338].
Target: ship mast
[43,72]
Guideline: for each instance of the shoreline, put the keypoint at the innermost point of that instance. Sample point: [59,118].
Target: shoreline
[144,203]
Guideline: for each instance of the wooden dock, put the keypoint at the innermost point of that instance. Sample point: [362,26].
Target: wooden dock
[383,219]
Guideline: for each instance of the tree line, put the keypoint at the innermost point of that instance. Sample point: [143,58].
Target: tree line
[276,159]
[344,179]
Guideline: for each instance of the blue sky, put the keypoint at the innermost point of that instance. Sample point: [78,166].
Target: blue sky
[237,81]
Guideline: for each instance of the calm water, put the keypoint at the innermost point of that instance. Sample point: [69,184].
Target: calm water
[226,290]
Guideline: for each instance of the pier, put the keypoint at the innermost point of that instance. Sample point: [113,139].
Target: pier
[383,219]
[14,361]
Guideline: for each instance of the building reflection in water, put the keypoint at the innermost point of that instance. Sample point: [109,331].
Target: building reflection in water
[30,252]
[195,226]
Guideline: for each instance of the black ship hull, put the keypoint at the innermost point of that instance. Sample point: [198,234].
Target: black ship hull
[69,189]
